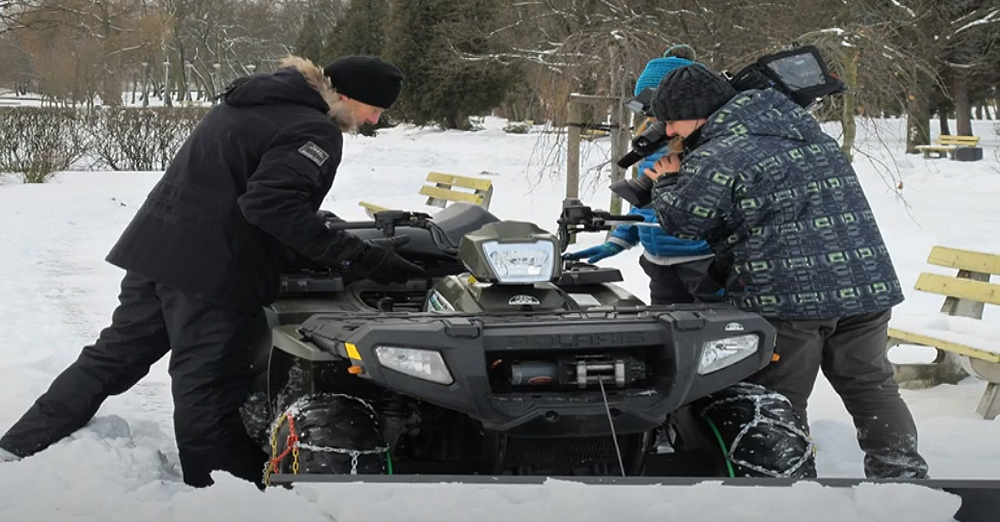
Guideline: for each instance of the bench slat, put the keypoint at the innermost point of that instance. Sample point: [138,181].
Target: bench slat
[459,181]
[926,340]
[372,206]
[965,260]
[958,140]
[450,195]
[978,291]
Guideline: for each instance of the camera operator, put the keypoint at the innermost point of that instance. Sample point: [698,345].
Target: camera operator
[677,268]
[783,209]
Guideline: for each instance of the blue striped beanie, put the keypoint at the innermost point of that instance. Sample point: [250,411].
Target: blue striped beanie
[657,68]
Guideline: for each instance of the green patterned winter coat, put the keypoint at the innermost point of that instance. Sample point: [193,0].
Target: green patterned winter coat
[784,212]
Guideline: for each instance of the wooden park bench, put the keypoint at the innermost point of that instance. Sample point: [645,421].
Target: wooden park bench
[948,144]
[441,190]
[960,353]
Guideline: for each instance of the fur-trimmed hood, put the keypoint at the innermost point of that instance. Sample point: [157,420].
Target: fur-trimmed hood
[298,80]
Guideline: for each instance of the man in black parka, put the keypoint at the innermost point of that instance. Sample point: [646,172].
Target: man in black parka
[203,255]
[797,242]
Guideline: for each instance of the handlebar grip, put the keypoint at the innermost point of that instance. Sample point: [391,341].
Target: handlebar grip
[350,225]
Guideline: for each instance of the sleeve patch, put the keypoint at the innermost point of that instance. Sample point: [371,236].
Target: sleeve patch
[315,153]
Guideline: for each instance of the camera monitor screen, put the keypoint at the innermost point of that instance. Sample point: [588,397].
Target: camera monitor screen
[798,71]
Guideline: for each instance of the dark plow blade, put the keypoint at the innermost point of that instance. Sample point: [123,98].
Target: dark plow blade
[980,498]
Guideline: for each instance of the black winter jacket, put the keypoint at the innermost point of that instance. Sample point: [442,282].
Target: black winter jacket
[243,190]
[784,212]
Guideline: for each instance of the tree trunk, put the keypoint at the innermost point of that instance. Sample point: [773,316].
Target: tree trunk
[167,101]
[918,130]
[979,112]
[182,81]
[850,103]
[963,113]
[943,120]
[111,83]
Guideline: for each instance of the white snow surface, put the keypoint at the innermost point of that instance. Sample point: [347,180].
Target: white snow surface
[984,335]
[58,293]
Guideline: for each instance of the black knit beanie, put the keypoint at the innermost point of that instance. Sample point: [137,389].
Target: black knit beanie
[690,93]
[367,79]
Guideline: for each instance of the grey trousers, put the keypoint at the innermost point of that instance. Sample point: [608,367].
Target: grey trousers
[851,351]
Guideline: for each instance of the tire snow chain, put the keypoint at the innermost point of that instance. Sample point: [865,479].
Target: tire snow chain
[352,452]
[760,419]
[292,444]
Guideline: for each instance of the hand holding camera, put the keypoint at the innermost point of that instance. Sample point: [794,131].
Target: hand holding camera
[668,164]
[637,191]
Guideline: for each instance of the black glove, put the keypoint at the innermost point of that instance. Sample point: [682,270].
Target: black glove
[380,263]
[328,216]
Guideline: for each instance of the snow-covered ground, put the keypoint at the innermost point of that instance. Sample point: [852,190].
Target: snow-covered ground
[58,293]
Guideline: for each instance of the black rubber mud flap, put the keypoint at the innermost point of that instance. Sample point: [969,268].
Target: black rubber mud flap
[336,434]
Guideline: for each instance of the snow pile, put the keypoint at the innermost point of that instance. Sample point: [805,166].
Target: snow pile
[984,335]
[558,500]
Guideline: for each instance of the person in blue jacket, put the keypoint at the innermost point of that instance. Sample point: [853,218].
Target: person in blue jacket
[678,269]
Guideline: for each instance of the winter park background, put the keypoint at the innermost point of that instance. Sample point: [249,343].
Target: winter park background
[59,293]
[479,75]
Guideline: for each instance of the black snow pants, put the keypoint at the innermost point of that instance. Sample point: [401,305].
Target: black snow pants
[689,282]
[851,351]
[209,363]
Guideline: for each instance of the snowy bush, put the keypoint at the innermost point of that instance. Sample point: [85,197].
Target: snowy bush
[37,142]
[141,138]
[517,127]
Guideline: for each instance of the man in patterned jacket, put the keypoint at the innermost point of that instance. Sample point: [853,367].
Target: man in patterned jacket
[790,225]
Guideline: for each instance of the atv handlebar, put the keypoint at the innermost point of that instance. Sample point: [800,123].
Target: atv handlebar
[388,220]
[577,217]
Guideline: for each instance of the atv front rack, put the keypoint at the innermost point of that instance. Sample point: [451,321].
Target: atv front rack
[547,373]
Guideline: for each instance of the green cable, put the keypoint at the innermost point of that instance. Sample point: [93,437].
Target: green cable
[722,443]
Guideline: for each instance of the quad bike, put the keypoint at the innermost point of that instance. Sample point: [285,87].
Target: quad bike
[506,360]
[506,364]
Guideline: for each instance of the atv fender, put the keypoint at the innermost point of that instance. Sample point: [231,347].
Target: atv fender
[287,339]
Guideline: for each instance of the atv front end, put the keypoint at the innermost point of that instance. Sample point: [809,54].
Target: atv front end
[551,374]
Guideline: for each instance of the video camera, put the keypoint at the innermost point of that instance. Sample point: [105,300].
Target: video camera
[800,73]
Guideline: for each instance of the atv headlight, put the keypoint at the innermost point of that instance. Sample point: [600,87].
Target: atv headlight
[521,262]
[721,353]
[422,364]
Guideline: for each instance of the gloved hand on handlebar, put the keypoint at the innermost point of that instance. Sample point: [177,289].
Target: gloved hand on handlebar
[328,217]
[595,253]
[380,263]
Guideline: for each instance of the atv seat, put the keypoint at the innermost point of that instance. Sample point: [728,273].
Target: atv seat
[455,220]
